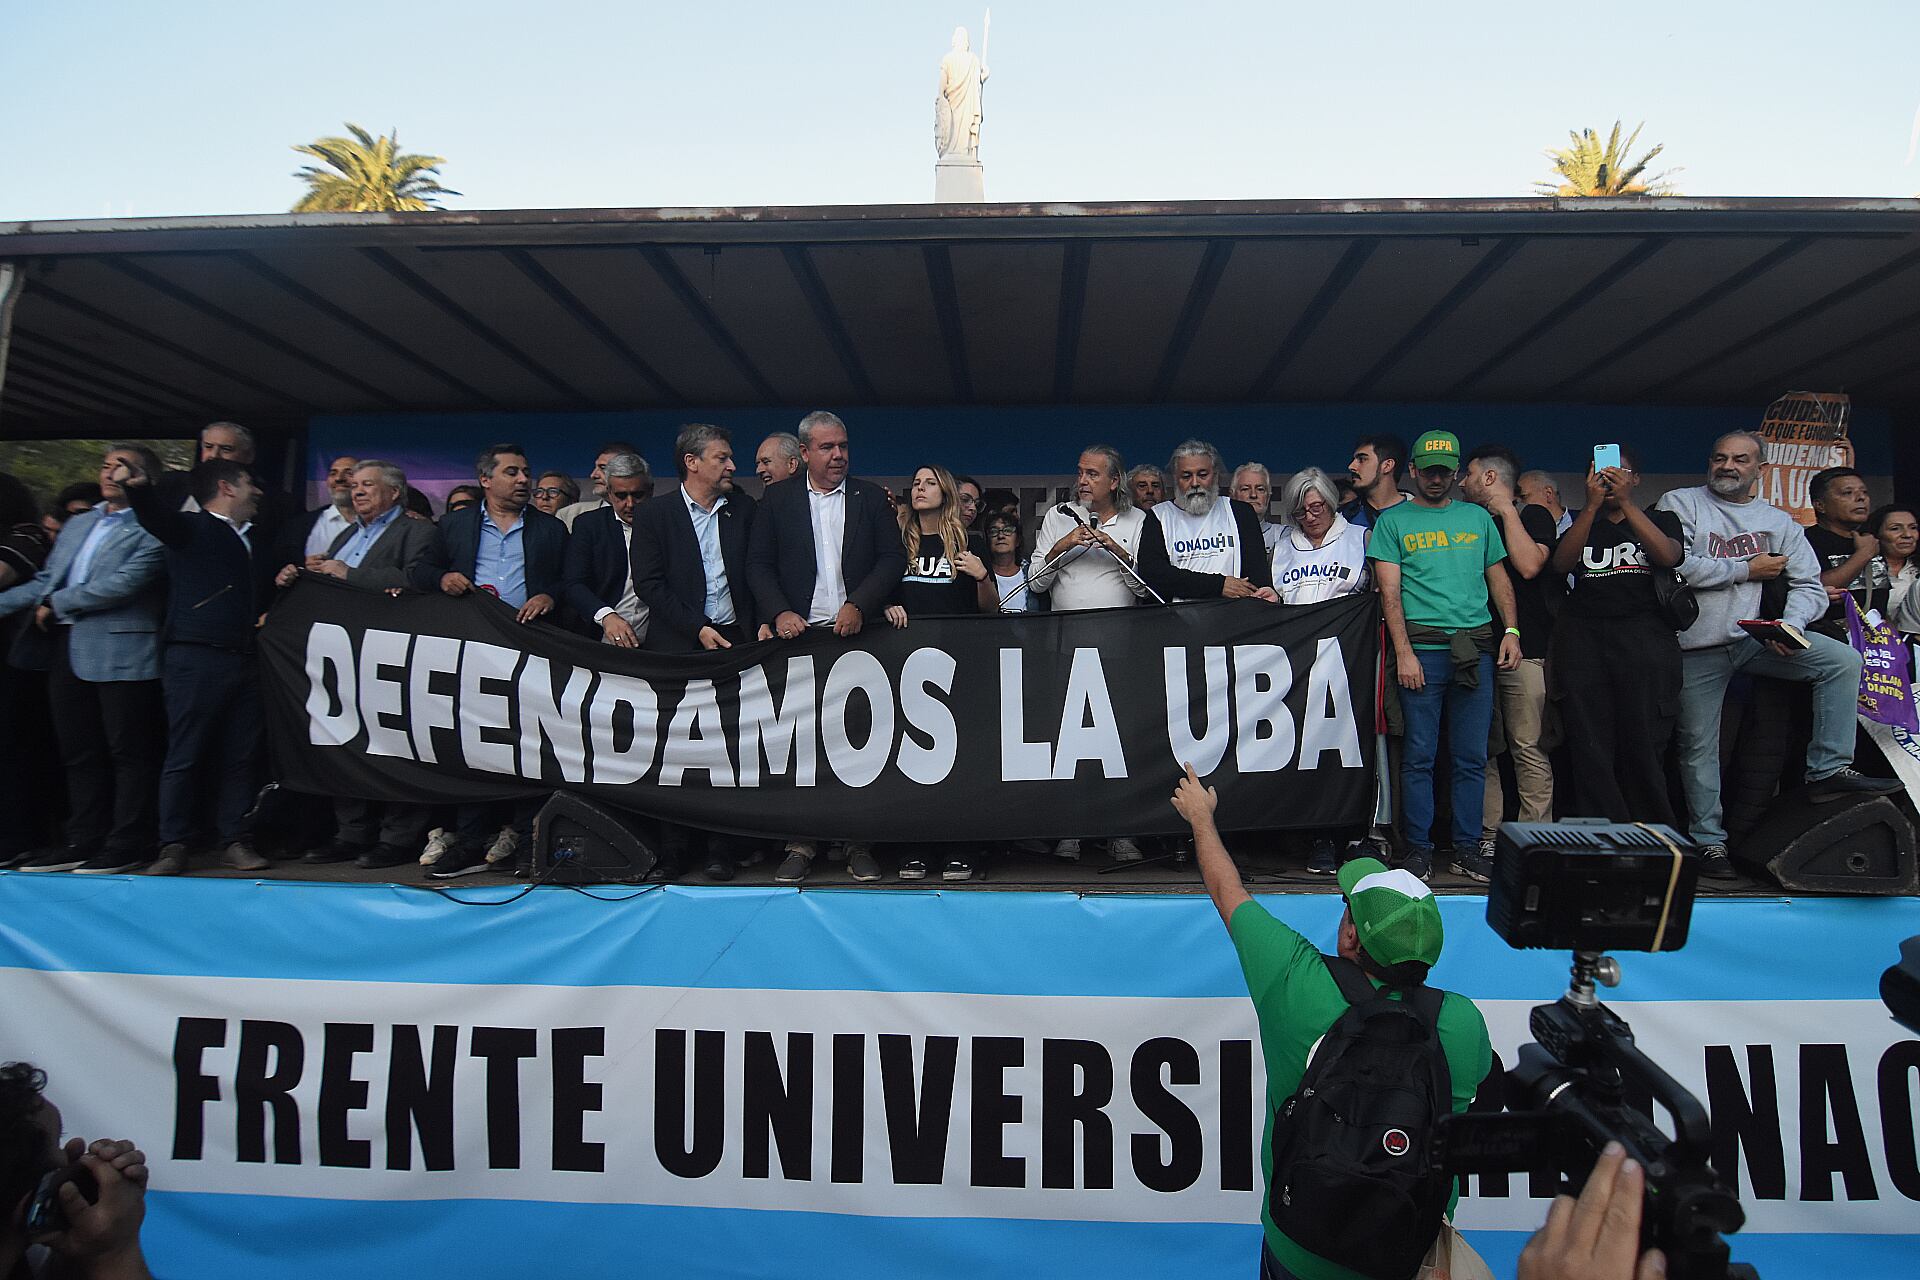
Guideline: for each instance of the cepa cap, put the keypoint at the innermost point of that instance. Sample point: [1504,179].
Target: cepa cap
[1393,911]
[1437,449]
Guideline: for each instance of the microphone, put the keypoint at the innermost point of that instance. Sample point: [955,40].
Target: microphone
[1073,514]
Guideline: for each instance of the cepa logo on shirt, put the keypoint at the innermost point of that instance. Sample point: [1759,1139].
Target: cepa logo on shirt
[1466,538]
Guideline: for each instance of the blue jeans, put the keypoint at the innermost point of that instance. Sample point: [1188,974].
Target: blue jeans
[1469,719]
[1832,668]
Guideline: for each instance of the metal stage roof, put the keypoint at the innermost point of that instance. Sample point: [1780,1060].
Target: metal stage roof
[273,318]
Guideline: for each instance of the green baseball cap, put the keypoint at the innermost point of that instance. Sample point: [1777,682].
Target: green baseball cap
[1393,910]
[1437,449]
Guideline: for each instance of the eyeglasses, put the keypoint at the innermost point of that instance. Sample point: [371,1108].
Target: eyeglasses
[549,493]
[1001,531]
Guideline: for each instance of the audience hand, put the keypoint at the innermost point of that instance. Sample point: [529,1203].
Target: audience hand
[616,630]
[536,607]
[456,584]
[1232,588]
[765,632]
[1598,1236]
[1407,667]
[287,576]
[971,565]
[315,561]
[43,617]
[710,638]
[126,476]
[789,625]
[332,568]
[897,616]
[1765,566]
[1509,659]
[1268,594]
[104,1235]
[1193,801]
[847,621]
[1866,543]
[1597,491]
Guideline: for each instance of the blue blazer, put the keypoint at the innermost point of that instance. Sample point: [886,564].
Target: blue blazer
[456,549]
[780,558]
[670,577]
[595,573]
[116,612]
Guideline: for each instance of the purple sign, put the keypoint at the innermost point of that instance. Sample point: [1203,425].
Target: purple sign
[1886,689]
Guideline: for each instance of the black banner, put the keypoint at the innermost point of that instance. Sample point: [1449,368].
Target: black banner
[988,728]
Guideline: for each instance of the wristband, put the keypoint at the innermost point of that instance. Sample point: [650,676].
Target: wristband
[1514,632]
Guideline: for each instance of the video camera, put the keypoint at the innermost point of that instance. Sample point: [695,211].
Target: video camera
[1589,887]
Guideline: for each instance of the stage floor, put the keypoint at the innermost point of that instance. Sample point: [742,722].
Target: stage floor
[1265,870]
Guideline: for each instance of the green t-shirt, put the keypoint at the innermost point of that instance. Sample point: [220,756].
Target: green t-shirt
[1444,554]
[1297,1002]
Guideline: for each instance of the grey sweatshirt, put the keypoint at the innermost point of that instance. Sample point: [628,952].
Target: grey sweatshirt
[1719,537]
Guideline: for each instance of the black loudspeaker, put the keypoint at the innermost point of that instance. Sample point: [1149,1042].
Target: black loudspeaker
[578,842]
[1865,847]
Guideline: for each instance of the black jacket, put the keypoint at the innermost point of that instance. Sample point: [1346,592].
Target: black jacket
[456,548]
[780,557]
[1184,584]
[217,585]
[671,578]
[595,575]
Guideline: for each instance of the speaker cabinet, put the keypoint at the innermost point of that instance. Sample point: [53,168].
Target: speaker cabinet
[578,842]
[1866,847]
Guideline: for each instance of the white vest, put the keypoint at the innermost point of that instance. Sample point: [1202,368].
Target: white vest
[1306,574]
[1202,544]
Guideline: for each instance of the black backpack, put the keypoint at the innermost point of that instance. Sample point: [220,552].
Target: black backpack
[1352,1178]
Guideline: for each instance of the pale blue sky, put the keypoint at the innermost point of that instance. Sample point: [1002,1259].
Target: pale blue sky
[136,108]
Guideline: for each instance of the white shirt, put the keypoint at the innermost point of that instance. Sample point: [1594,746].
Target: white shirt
[239,529]
[1014,583]
[1087,577]
[327,526]
[628,606]
[829,514]
[1208,543]
[1270,535]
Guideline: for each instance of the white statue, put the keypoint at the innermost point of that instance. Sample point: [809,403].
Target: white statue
[956,105]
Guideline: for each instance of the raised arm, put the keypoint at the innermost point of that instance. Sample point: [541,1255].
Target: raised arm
[1196,803]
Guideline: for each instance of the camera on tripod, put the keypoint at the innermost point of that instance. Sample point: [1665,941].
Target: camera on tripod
[1589,887]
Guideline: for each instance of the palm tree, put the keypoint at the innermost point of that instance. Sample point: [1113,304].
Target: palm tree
[368,175]
[1588,169]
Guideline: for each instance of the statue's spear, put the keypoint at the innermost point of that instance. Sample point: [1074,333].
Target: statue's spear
[986,35]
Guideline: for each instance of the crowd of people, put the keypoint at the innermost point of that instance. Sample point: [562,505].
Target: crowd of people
[1512,624]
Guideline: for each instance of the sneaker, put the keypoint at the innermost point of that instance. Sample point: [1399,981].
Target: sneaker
[1068,849]
[1124,850]
[719,869]
[335,852]
[956,869]
[1322,860]
[503,845]
[1715,864]
[794,867]
[457,862]
[383,855]
[61,859]
[439,840]
[171,862]
[1475,865]
[1418,861]
[1849,782]
[1489,841]
[111,864]
[18,855]
[242,856]
[913,869]
[861,864]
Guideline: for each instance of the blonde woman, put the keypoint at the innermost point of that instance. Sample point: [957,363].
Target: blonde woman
[946,566]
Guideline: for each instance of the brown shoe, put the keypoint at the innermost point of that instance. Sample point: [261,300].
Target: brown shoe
[171,862]
[240,856]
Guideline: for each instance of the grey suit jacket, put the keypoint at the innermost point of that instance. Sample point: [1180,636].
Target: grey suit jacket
[116,612]
[391,558]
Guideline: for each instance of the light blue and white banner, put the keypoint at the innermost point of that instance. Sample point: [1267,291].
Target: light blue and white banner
[694,1082]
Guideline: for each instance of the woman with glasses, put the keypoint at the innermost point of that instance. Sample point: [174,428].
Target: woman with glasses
[1009,570]
[555,491]
[1318,555]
